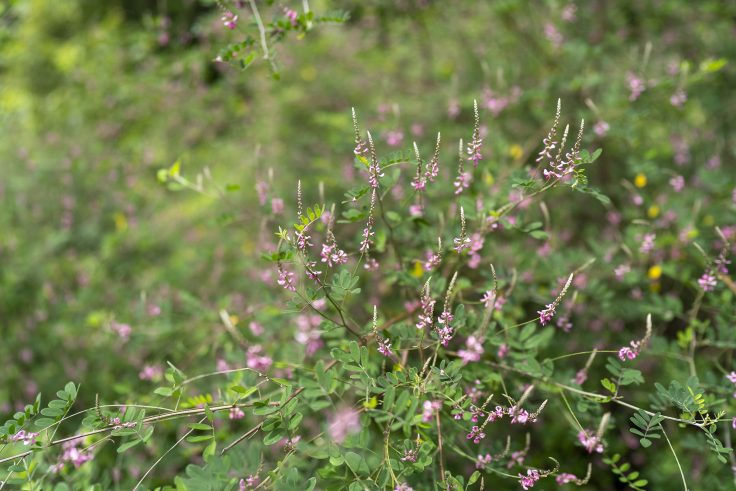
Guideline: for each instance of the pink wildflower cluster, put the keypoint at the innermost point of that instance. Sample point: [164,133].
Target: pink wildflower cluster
[483,460]
[590,441]
[344,422]
[410,455]
[647,243]
[229,19]
[429,409]
[530,479]
[72,454]
[517,415]
[384,347]
[286,279]
[27,437]
[491,300]
[629,352]
[256,360]
[474,248]
[292,15]
[473,350]
[250,482]
[122,330]
[236,413]
[565,478]
[444,330]
[403,487]
[476,434]
[332,255]
[636,86]
[426,309]
[308,332]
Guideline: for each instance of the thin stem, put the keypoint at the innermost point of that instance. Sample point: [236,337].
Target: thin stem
[682,474]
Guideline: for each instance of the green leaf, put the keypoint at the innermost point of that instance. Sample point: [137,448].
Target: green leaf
[127,445]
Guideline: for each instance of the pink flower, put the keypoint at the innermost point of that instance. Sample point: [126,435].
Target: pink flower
[292,15]
[647,243]
[229,19]
[410,455]
[636,86]
[150,372]
[531,478]
[28,438]
[503,350]
[122,330]
[394,138]
[546,315]
[344,422]
[286,279]
[277,206]
[679,98]
[569,12]
[708,281]
[731,377]
[629,353]
[553,35]
[565,478]
[476,434]
[483,460]
[580,377]
[677,183]
[462,182]
[332,255]
[236,413]
[429,409]
[384,347]
[474,350]
[403,487]
[255,328]
[591,442]
[256,360]
[601,128]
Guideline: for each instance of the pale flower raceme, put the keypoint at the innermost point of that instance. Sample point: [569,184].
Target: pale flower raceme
[476,143]
[426,309]
[548,312]
[549,142]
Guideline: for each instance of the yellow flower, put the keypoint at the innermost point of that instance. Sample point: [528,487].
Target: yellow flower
[655,272]
[121,223]
[515,151]
[640,180]
[418,270]
[234,319]
[653,211]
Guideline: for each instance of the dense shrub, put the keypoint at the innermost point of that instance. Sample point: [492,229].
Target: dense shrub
[249,290]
